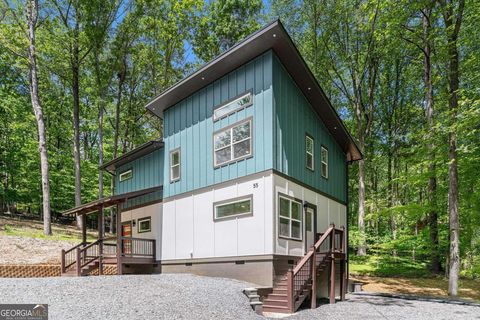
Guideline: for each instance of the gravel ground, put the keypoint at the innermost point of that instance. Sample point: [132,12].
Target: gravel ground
[169,296]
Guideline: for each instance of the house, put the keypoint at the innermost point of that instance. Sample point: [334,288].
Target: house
[249,180]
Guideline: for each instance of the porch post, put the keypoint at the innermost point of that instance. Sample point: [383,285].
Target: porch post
[119,239]
[332,265]
[100,237]
[313,303]
[84,228]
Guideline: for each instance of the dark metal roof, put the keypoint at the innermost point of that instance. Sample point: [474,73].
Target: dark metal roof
[107,202]
[275,37]
[136,153]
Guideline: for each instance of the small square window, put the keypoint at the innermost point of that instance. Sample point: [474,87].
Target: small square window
[144,225]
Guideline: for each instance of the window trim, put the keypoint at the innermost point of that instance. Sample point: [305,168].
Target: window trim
[139,220]
[129,170]
[230,127]
[322,162]
[232,201]
[308,136]
[179,164]
[230,101]
[290,199]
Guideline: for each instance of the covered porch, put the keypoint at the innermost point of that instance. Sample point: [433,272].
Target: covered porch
[90,257]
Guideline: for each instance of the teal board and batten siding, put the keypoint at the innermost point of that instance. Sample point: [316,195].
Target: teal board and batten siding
[147,173]
[189,126]
[295,117]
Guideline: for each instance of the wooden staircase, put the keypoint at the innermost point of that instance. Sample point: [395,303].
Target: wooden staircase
[292,289]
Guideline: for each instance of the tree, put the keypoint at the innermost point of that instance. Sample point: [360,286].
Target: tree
[32,17]
[453,15]
[224,23]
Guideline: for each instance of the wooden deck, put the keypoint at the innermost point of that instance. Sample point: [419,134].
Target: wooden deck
[84,258]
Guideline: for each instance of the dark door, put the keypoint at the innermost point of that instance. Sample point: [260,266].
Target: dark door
[127,232]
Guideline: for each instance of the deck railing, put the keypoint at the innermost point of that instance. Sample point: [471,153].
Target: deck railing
[138,247]
[86,253]
[304,274]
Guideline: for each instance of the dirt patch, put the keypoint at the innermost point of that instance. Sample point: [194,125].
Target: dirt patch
[24,250]
[469,289]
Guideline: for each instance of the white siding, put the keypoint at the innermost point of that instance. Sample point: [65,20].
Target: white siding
[190,231]
[328,211]
[155,212]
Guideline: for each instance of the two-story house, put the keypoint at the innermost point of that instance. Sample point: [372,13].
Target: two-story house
[250,173]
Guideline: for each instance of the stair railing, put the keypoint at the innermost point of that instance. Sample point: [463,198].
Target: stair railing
[87,255]
[69,258]
[305,272]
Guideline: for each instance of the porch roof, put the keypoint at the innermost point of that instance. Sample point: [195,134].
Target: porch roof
[107,202]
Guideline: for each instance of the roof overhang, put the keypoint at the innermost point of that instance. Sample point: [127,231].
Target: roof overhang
[136,153]
[108,202]
[275,37]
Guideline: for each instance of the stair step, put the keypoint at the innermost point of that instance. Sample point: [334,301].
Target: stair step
[279,290]
[275,303]
[276,296]
[275,309]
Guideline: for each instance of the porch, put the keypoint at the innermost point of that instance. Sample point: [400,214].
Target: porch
[91,257]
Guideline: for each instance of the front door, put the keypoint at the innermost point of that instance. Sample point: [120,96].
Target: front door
[310,211]
[127,232]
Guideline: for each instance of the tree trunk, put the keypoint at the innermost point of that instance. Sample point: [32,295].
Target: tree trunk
[452,27]
[32,14]
[100,130]
[362,251]
[435,264]
[75,65]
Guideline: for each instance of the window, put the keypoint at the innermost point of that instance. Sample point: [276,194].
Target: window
[290,218]
[175,165]
[241,102]
[309,152]
[324,162]
[233,143]
[126,175]
[144,225]
[233,208]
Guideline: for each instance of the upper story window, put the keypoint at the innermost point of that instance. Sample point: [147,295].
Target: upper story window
[126,175]
[233,143]
[175,165]
[233,208]
[290,218]
[324,162]
[245,100]
[309,152]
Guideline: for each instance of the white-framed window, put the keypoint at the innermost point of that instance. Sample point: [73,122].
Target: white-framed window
[126,175]
[232,143]
[309,152]
[144,224]
[243,101]
[175,165]
[290,218]
[232,208]
[324,162]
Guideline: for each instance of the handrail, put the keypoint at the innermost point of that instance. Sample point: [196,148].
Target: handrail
[75,247]
[91,244]
[310,252]
[306,269]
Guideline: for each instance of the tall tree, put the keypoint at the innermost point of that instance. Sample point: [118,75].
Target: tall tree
[453,15]
[223,23]
[32,18]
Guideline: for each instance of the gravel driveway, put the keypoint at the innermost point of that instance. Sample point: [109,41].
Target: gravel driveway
[169,296]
